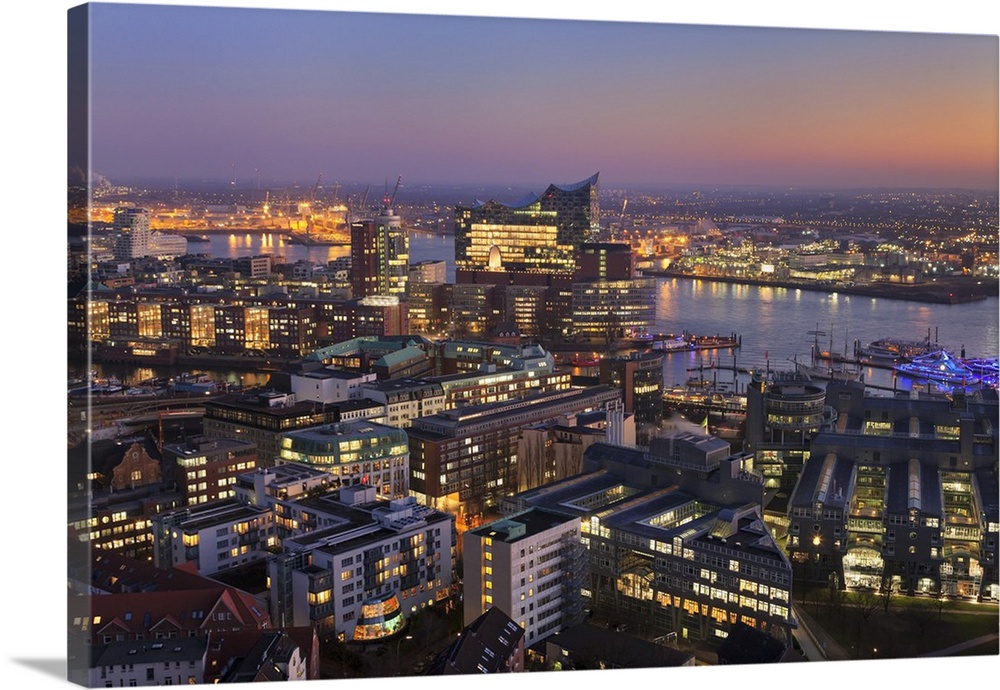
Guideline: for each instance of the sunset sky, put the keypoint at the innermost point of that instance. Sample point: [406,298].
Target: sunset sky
[188,92]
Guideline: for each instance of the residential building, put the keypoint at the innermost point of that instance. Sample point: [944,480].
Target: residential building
[532,566]
[405,399]
[115,490]
[207,467]
[164,614]
[179,661]
[212,537]
[131,233]
[492,643]
[264,657]
[367,560]
[257,266]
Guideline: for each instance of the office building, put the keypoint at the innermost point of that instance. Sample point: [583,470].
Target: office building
[781,419]
[607,310]
[900,491]
[639,376]
[554,449]
[587,646]
[676,538]
[380,255]
[431,271]
[309,380]
[464,460]
[604,261]
[358,452]
[262,417]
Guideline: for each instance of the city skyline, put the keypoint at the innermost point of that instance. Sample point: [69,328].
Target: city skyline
[38,656]
[266,95]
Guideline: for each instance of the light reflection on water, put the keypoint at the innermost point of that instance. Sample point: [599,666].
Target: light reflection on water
[774,322]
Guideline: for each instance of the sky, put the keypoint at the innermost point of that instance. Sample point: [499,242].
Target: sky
[201,92]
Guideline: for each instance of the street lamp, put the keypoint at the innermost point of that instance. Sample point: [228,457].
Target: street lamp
[399,642]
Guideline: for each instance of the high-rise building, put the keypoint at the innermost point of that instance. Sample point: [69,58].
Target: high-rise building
[132,234]
[537,233]
[380,255]
[532,566]
[640,378]
[604,261]
[606,310]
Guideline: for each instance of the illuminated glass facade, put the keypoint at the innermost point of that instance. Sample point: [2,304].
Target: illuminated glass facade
[538,233]
[610,309]
[354,453]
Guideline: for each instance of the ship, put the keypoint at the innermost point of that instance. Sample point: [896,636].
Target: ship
[986,368]
[888,351]
[585,360]
[939,366]
[676,343]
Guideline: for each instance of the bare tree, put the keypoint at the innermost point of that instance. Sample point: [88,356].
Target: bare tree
[942,602]
[886,591]
[867,601]
[921,613]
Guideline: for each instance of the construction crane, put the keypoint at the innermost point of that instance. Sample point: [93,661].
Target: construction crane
[392,201]
[350,206]
[312,195]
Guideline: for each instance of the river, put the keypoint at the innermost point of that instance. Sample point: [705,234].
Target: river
[774,323]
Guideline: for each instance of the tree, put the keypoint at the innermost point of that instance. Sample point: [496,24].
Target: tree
[942,602]
[886,591]
[866,601]
[921,614]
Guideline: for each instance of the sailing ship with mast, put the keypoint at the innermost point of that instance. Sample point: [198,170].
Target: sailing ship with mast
[823,366]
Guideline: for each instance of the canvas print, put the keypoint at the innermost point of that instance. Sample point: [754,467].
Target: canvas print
[409,345]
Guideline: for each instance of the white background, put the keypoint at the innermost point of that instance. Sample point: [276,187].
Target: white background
[33,163]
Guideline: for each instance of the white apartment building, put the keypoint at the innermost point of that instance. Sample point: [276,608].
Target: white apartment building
[394,557]
[532,566]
